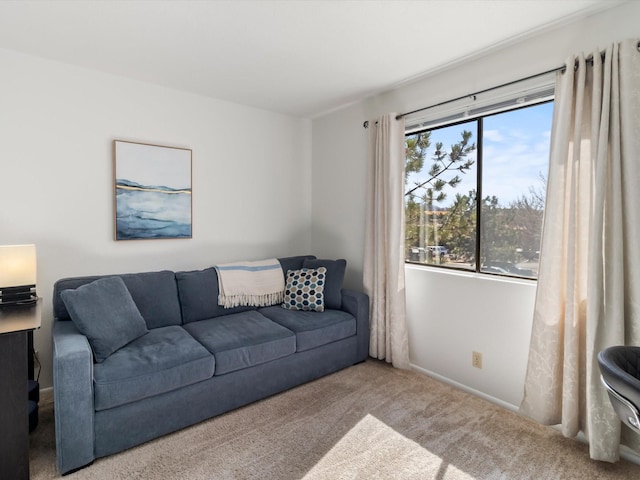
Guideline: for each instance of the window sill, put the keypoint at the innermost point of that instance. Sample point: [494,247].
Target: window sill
[468,274]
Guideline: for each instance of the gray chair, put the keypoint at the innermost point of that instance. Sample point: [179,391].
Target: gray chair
[620,369]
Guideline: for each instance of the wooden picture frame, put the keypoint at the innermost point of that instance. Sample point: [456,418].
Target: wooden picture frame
[152,191]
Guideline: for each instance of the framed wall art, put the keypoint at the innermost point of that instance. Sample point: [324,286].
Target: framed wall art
[152,191]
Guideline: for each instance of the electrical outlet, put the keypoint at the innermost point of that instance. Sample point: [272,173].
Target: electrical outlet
[476,359]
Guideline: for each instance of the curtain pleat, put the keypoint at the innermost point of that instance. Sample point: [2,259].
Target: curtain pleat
[588,295]
[383,270]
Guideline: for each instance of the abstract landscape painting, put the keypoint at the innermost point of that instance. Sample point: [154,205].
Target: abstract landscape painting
[152,191]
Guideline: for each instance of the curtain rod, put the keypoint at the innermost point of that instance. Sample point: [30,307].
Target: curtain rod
[473,95]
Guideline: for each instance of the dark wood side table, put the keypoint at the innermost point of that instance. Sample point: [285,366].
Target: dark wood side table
[16,325]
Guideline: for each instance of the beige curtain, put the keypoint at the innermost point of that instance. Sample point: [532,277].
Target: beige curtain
[384,242]
[588,293]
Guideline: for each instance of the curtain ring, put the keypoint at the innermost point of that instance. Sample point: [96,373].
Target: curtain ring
[366,124]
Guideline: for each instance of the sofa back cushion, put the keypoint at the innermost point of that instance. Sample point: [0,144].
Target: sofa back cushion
[293,263]
[333,282]
[154,293]
[198,291]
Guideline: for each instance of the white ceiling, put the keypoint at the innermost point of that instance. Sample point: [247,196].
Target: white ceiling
[301,58]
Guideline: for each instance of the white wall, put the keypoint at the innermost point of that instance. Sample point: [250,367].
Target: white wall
[452,314]
[338,190]
[449,315]
[251,173]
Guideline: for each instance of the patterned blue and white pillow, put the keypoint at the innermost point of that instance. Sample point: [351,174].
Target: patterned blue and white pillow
[305,289]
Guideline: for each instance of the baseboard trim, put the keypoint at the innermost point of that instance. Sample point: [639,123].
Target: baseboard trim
[465,388]
[629,455]
[625,452]
[46,395]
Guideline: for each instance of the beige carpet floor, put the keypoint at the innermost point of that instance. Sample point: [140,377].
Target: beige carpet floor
[369,421]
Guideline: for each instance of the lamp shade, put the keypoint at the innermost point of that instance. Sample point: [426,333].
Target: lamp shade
[17,265]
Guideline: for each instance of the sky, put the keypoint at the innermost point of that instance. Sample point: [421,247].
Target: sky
[152,165]
[515,153]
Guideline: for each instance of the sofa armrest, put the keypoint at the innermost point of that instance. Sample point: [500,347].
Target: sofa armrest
[73,397]
[357,304]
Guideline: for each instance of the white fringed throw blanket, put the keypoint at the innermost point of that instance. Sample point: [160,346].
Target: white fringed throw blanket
[259,283]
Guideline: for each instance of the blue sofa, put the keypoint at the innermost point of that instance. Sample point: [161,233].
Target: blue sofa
[195,360]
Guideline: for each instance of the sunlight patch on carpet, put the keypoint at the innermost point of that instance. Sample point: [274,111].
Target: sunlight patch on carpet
[372,449]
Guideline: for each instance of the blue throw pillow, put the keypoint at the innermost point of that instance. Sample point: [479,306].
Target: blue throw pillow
[304,289]
[106,314]
[333,284]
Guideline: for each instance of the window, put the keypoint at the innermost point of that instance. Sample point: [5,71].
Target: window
[475,191]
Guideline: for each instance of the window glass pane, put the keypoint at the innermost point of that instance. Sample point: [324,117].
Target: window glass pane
[515,159]
[440,198]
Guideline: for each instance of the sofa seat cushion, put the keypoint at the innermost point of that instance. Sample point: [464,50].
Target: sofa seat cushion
[241,340]
[162,360]
[313,329]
